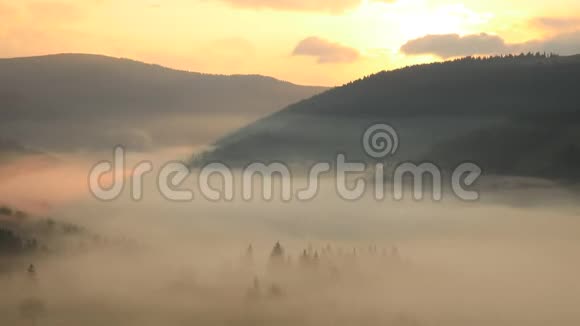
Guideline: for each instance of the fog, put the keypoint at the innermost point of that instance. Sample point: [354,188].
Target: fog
[508,259]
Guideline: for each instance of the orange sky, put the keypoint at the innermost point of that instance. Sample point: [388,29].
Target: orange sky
[322,42]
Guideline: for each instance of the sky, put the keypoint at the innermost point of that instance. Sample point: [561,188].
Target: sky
[310,42]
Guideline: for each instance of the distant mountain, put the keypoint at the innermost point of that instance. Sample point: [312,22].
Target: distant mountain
[80,101]
[516,115]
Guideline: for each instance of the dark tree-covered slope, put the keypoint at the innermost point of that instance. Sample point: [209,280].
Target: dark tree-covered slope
[491,110]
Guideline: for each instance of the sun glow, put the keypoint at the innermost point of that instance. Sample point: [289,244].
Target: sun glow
[215,36]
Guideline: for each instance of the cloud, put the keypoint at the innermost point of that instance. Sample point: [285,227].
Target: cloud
[325,51]
[331,6]
[563,44]
[453,45]
[334,6]
[556,23]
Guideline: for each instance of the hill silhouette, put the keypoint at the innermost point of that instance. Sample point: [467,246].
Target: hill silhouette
[516,115]
[81,101]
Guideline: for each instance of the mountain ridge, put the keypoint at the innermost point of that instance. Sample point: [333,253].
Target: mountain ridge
[429,105]
[104,101]
[79,55]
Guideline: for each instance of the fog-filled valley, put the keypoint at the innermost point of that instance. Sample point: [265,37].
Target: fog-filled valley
[508,259]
